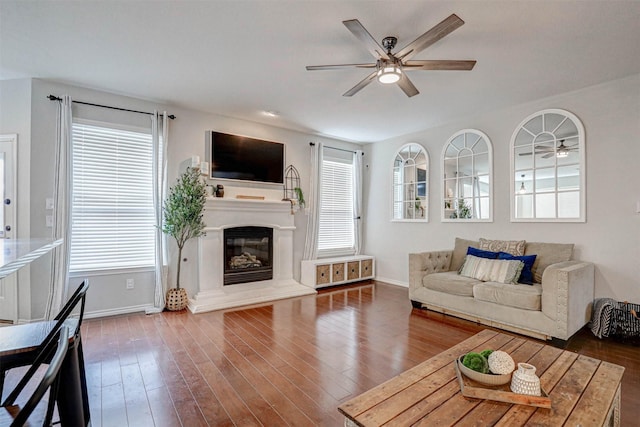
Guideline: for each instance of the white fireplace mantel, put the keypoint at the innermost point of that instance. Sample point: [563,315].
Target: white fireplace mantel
[222,213]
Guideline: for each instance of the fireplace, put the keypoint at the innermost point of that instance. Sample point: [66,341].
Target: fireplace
[222,214]
[248,255]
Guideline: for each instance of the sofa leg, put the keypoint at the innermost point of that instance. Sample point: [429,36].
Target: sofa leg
[559,343]
[416,304]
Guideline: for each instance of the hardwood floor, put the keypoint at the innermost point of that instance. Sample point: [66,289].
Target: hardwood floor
[289,363]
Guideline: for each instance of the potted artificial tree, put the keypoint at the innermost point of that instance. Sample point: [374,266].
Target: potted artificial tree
[182,213]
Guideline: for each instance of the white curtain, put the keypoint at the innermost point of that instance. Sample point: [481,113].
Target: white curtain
[313,203]
[160,138]
[62,209]
[357,201]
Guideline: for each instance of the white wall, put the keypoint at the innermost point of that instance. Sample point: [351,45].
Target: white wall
[610,238]
[107,294]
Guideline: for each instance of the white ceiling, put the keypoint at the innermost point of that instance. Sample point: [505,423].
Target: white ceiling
[240,58]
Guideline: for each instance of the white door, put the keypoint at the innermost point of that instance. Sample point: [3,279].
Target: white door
[8,181]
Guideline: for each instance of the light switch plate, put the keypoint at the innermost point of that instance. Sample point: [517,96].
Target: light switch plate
[49,203]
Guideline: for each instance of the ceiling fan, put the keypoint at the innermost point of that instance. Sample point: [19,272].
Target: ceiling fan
[391,67]
[559,151]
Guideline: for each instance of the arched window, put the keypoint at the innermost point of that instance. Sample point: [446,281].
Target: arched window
[411,183]
[547,168]
[467,168]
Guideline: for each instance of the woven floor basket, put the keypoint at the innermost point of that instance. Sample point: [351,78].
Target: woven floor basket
[176,299]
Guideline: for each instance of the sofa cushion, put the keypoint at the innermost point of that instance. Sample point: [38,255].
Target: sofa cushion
[513,247]
[519,296]
[450,282]
[526,275]
[460,251]
[547,254]
[491,270]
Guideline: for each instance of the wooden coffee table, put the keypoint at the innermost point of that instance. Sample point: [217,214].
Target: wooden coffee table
[583,391]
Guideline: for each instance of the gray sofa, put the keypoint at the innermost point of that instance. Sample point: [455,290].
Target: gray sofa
[556,306]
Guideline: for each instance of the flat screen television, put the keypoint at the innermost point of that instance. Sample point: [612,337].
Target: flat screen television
[245,159]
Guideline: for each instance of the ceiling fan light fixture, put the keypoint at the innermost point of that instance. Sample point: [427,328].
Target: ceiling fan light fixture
[389,73]
[562,153]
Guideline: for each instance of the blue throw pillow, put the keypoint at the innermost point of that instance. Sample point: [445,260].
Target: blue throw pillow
[480,253]
[526,276]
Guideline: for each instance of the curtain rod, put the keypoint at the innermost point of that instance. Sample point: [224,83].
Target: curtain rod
[55,98]
[334,148]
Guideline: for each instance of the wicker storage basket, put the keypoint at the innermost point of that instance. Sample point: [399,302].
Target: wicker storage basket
[177,299]
[626,325]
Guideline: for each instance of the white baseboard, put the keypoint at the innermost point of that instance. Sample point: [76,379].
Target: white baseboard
[103,313]
[392,282]
[117,311]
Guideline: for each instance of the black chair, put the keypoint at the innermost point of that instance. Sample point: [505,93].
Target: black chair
[23,355]
[50,381]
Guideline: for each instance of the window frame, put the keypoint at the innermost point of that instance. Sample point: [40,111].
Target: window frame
[336,158]
[114,269]
[514,182]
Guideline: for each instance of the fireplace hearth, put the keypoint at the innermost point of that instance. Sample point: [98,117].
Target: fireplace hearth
[248,255]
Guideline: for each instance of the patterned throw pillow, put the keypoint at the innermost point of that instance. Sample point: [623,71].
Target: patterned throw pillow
[513,247]
[526,276]
[491,270]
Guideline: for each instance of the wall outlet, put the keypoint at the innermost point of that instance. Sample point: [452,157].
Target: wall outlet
[130,283]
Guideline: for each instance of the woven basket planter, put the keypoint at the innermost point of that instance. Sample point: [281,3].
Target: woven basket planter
[177,299]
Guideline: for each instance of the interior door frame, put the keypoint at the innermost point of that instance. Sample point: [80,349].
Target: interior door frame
[9,284]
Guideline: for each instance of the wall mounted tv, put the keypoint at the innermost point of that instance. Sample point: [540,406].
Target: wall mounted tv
[246,159]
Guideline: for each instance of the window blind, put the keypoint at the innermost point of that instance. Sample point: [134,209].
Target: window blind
[336,224]
[112,207]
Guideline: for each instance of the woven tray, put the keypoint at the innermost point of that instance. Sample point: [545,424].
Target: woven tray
[501,393]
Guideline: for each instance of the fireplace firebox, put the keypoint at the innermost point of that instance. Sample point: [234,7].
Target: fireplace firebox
[248,254]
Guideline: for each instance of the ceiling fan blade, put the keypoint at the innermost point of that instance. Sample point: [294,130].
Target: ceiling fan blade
[525,154]
[358,30]
[548,155]
[430,37]
[339,66]
[360,85]
[407,87]
[439,65]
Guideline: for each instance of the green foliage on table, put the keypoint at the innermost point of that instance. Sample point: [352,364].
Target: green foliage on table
[476,361]
[182,211]
[486,353]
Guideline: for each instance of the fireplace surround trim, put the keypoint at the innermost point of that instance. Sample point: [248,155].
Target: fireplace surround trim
[220,214]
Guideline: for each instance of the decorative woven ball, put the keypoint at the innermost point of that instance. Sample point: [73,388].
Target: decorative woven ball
[177,299]
[501,363]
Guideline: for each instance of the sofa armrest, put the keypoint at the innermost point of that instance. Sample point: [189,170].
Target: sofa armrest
[567,295]
[424,263]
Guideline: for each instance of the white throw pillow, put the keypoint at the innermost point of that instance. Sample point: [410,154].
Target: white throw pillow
[492,270]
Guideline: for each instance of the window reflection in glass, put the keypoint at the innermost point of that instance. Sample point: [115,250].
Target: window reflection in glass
[467,172]
[547,168]
[410,183]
